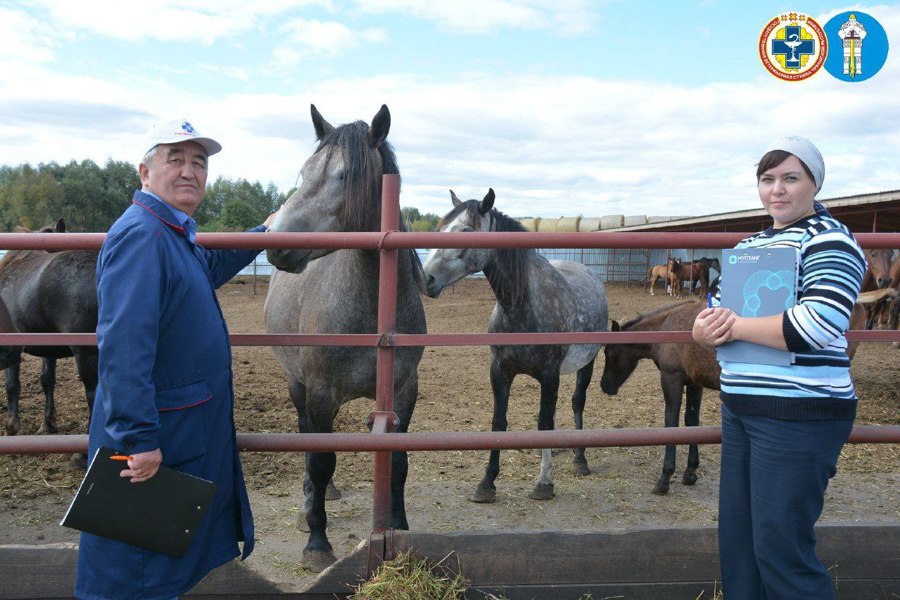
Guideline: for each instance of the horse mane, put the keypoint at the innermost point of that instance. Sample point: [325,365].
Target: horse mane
[509,274]
[362,186]
[652,314]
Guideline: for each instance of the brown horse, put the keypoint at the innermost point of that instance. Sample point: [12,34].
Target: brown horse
[690,367]
[879,276]
[48,292]
[665,272]
[692,272]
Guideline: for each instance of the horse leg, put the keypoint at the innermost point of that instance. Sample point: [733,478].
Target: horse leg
[13,391]
[48,382]
[652,284]
[895,317]
[582,381]
[297,394]
[404,404]
[500,384]
[318,553]
[86,361]
[672,388]
[693,396]
[543,487]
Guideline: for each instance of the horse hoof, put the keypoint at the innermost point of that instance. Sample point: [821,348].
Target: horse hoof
[46,429]
[689,479]
[78,461]
[317,560]
[661,489]
[12,428]
[483,496]
[580,467]
[331,492]
[542,491]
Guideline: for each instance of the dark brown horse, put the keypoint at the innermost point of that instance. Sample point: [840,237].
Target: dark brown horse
[48,292]
[690,367]
[693,273]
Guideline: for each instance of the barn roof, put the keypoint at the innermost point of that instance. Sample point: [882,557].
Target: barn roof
[877,212]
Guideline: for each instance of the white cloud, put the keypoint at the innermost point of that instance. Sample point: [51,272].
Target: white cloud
[483,16]
[304,39]
[23,39]
[169,20]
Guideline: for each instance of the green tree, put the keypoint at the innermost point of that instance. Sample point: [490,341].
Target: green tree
[82,184]
[237,215]
[416,221]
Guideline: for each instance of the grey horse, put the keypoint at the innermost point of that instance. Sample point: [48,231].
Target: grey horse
[326,291]
[533,295]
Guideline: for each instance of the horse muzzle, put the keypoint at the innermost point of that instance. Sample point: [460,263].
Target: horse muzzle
[289,260]
[432,287]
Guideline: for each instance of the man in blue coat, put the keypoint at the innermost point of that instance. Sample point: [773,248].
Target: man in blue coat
[165,392]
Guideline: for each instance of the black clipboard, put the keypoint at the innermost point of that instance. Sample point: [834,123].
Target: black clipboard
[160,514]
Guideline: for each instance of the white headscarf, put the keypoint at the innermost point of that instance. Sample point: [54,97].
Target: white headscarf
[808,154]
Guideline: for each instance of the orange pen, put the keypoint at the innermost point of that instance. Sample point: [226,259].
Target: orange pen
[120,457]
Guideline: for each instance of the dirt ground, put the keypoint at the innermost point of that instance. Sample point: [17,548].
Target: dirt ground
[455,395]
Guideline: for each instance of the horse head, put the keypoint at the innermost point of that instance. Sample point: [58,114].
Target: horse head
[445,266]
[619,362]
[879,260]
[714,264]
[341,185]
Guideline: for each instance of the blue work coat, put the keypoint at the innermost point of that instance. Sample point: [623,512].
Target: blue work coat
[165,382]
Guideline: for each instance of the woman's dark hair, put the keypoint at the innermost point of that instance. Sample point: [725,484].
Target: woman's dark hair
[773,158]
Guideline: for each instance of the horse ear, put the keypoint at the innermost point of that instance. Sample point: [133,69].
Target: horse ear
[614,326]
[61,225]
[321,126]
[456,201]
[488,201]
[381,124]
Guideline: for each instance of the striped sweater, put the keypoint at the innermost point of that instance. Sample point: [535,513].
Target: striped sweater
[817,385]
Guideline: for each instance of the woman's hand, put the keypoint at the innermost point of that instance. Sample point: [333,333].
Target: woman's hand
[713,326]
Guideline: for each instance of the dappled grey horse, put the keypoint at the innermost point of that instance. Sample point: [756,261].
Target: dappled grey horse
[336,291]
[533,295]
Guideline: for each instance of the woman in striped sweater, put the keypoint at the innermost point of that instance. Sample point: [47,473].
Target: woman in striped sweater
[783,427]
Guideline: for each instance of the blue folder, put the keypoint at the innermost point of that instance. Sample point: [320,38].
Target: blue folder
[758,282]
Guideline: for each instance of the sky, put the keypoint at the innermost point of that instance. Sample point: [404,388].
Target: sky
[563,107]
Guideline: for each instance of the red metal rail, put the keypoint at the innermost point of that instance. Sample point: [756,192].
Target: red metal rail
[395,240]
[388,241]
[448,440]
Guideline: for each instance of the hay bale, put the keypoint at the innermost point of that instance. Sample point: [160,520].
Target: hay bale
[548,225]
[635,220]
[568,224]
[611,221]
[589,224]
[530,224]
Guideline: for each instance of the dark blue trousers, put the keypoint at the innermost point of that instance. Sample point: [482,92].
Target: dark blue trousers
[771,492]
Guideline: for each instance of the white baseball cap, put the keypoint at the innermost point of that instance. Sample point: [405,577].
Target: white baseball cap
[173,131]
